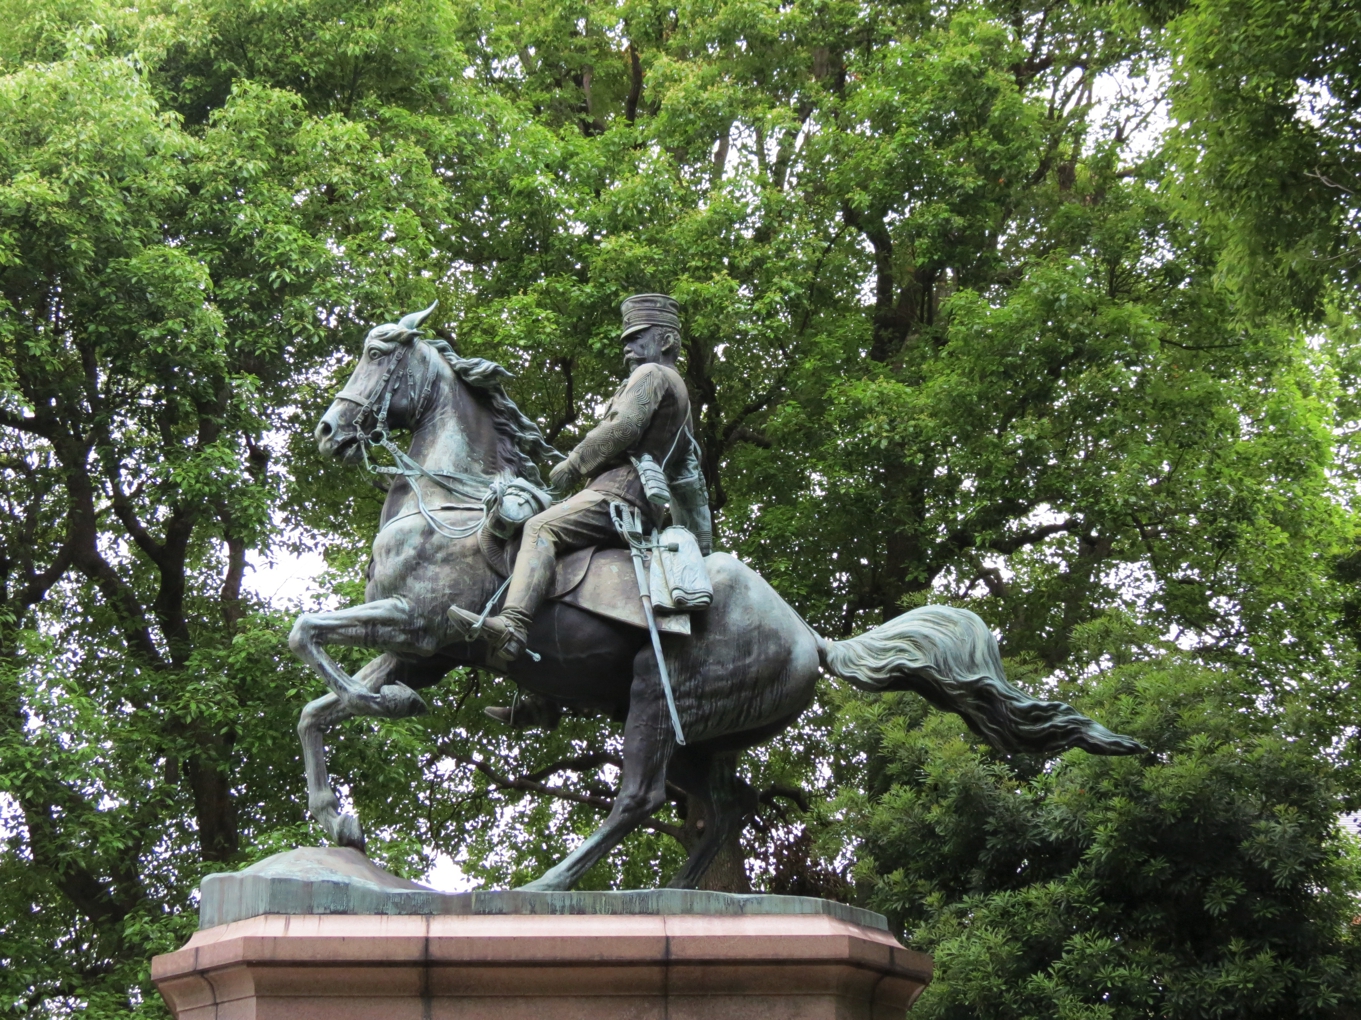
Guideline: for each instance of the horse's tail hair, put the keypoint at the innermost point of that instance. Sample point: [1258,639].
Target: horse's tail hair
[950,657]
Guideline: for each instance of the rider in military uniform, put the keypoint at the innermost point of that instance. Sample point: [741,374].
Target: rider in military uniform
[649,414]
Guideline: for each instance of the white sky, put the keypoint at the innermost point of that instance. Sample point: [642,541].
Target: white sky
[284,579]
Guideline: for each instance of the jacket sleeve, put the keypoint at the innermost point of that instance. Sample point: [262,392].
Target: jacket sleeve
[625,421]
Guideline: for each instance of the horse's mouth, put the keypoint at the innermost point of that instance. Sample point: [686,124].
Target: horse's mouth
[344,448]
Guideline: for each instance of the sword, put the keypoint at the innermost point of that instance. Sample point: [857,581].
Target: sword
[628,522]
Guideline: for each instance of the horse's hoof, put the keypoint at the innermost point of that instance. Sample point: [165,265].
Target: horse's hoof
[362,703]
[349,833]
[401,702]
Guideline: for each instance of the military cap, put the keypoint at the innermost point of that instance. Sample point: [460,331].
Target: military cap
[643,310]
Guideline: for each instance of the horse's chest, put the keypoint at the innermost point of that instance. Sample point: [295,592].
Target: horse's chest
[412,561]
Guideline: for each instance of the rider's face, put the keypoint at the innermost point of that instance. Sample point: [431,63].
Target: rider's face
[647,346]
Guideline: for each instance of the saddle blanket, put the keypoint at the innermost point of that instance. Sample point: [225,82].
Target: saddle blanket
[602,581]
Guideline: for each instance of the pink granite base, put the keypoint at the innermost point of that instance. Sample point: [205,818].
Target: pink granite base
[563,967]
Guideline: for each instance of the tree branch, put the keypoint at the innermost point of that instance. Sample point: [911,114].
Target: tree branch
[528,785]
[581,763]
[743,434]
[1006,546]
[1327,182]
[567,366]
[721,152]
[33,426]
[230,596]
[990,576]
[127,516]
[777,791]
[82,537]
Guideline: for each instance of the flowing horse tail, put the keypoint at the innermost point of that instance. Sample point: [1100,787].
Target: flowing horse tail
[951,659]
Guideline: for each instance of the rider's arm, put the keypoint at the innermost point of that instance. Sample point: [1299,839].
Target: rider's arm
[629,414]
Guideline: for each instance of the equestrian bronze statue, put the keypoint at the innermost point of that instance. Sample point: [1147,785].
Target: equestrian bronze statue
[576,631]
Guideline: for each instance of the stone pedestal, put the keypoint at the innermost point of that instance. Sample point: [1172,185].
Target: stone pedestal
[506,956]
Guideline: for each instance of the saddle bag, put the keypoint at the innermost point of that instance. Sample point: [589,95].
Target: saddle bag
[510,503]
[679,580]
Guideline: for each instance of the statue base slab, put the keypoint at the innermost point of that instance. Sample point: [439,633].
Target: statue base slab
[567,966]
[338,880]
[325,933]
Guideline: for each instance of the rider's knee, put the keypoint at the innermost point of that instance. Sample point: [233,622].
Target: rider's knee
[538,537]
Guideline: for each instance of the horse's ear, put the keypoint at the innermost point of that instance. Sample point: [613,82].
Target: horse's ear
[414,320]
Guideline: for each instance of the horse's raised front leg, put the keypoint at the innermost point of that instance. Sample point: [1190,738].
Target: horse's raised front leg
[387,623]
[317,717]
[648,742]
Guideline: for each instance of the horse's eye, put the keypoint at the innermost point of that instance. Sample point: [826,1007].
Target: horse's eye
[374,354]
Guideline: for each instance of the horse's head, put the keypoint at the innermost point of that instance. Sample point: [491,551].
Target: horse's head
[390,388]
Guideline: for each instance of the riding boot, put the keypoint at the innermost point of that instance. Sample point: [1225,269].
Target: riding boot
[508,633]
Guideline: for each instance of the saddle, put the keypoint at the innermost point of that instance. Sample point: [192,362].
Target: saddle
[602,581]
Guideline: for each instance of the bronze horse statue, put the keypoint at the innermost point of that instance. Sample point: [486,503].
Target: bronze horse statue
[746,671]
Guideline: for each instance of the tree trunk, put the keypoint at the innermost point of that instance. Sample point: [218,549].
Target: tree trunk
[728,872]
[214,805]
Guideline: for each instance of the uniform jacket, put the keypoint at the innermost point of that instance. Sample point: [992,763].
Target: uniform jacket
[649,414]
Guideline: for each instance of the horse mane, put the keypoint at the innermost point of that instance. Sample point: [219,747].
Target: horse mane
[520,439]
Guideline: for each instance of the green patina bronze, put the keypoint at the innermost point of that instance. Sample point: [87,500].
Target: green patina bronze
[745,671]
[339,880]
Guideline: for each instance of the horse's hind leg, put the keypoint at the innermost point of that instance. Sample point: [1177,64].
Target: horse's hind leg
[648,743]
[726,799]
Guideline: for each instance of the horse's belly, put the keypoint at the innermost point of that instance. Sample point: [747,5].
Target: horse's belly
[584,659]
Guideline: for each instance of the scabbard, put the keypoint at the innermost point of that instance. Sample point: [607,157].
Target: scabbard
[645,597]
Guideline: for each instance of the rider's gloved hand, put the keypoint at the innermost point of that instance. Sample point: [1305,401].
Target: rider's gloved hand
[563,476]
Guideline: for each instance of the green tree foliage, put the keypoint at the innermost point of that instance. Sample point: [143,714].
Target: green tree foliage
[948,336]
[1267,99]
[1209,879]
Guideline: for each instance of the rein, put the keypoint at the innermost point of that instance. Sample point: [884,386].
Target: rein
[488,493]
[412,471]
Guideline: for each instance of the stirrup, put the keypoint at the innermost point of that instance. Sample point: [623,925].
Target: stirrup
[527,713]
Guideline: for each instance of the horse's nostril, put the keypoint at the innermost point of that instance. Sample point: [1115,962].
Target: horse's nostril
[324,430]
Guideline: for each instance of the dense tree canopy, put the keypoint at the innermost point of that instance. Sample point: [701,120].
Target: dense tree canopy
[962,324]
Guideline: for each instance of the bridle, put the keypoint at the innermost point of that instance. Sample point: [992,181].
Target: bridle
[386,387]
[458,484]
